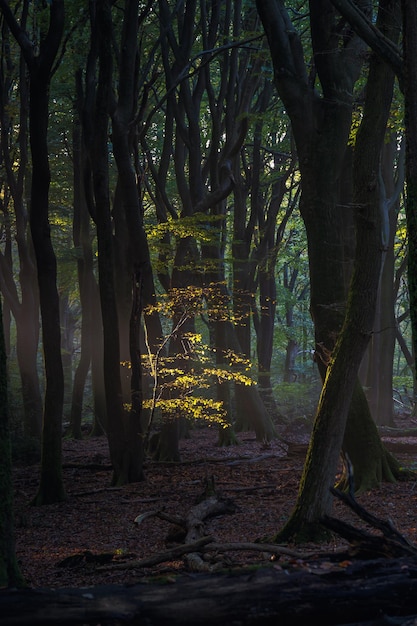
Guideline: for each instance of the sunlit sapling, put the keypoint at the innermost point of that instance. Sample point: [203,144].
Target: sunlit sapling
[179,381]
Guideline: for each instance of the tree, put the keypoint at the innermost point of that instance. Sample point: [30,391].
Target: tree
[377,366]
[24,307]
[90,335]
[263,203]
[402,65]
[206,158]
[409,15]
[337,68]
[9,570]
[40,67]
[126,251]
[98,136]
[123,114]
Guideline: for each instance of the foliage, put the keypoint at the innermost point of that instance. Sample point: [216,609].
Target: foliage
[182,383]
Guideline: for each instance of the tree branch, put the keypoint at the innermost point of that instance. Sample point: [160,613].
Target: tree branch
[26,45]
[375,39]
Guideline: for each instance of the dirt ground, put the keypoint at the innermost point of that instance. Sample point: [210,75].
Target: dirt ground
[260,480]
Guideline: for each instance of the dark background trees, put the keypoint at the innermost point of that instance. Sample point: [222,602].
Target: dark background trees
[40,63]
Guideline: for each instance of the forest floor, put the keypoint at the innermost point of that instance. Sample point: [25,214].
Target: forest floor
[261,480]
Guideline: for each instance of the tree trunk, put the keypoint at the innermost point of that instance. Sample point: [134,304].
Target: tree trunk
[409,15]
[100,168]
[25,311]
[10,575]
[371,460]
[51,487]
[370,469]
[378,361]
[137,255]
[86,281]
[97,364]
[90,287]
[27,346]
[321,160]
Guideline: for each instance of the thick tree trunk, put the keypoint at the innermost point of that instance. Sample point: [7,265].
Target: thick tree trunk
[251,413]
[51,486]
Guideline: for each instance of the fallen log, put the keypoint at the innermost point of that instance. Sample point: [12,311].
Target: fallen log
[366,592]
[204,545]
[209,505]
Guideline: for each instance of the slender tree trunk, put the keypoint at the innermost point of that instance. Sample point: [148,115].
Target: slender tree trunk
[379,359]
[137,255]
[87,116]
[409,14]
[51,487]
[100,168]
[25,311]
[97,364]
[27,346]
[10,575]
[81,239]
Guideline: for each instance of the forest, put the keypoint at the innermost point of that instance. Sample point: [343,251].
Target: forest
[208,280]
